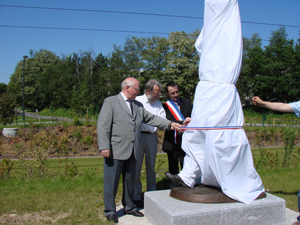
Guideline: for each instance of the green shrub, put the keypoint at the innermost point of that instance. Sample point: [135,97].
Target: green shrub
[71,170]
[88,140]
[77,134]
[87,120]
[7,108]
[5,168]
[77,121]
[65,122]
[289,137]
[35,162]
[52,109]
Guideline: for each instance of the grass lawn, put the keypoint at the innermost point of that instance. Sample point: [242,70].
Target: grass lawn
[57,112]
[272,118]
[58,199]
[19,121]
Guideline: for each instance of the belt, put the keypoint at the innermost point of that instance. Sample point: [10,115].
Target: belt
[146,132]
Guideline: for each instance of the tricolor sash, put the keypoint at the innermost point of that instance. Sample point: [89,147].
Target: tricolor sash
[176,113]
[212,128]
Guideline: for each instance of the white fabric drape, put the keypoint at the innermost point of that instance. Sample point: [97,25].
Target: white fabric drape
[222,158]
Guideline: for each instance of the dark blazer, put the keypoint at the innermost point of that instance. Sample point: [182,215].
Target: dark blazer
[186,110]
[120,131]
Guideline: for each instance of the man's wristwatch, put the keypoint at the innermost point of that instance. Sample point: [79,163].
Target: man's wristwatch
[170,125]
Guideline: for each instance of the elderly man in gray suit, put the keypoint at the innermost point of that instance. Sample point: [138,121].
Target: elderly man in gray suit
[119,132]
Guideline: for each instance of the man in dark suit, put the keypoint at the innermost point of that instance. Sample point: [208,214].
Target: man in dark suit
[177,109]
[119,132]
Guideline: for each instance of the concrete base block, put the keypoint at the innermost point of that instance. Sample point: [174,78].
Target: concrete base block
[162,209]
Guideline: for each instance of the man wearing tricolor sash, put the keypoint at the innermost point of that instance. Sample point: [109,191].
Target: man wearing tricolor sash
[177,109]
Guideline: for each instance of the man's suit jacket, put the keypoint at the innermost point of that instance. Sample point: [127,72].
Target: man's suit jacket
[186,110]
[119,130]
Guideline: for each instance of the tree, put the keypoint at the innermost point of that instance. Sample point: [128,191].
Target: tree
[101,72]
[88,73]
[183,65]
[7,107]
[81,98]
[278,81]
[57,84]
[272,73]
[297,62]
[118,71]
[3,88]
[253,59]
[155,56]
[34,69]
[248,44]
[132,54]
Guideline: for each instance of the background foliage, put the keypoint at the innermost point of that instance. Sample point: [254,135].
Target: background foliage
[7,106]
[81,81]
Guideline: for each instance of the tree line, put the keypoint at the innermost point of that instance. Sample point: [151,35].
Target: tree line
[81,81]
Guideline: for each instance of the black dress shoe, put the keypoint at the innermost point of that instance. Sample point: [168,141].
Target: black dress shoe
[176,178]
[136,213]
[112,218]
[139,203]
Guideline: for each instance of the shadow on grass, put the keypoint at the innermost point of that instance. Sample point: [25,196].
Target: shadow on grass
[163,184]
[282,192]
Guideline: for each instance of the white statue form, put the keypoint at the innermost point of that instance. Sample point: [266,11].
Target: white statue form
[221,157]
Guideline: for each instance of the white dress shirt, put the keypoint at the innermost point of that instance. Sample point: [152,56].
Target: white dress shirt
[127,102]
[156,108]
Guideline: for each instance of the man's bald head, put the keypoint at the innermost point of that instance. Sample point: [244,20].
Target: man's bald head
[130,88]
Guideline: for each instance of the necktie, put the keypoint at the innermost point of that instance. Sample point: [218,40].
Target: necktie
[130,103]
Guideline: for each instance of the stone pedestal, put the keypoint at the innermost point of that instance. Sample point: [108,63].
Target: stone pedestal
[162,209]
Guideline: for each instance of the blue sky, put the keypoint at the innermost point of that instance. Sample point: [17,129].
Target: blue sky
[16,42]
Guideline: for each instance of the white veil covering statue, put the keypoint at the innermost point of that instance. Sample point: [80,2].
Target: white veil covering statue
[220,158]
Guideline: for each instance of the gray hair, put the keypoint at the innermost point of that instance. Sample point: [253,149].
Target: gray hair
[150,85]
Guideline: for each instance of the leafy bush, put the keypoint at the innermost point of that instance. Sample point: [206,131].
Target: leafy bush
[35,162]
[88,140]
[65,122]
[71,170]
[77,134]
[7,108]
[77,121]
[5,167]
[289,137]
[87,120]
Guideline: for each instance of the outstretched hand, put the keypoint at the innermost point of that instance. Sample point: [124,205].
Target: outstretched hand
[176,126]
[257,101]
[187,121]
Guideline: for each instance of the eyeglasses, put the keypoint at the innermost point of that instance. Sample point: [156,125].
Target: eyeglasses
[137,89]
[156,94]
